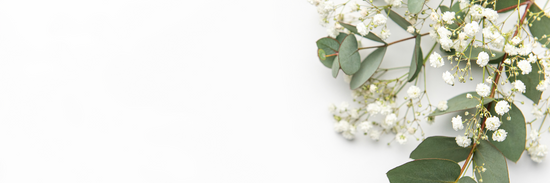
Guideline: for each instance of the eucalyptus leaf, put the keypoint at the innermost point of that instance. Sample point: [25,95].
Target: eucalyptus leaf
[348,55]
[496,169]
[341,37]
[466,179]
[501,4]
[539,28]
[460,102]
[328,46]
[472,53]
[335,67]
[417,60]
[440,147]
[415,6]
[531,81]
[368,67]
[425,171]
[514,144]
[402,22]
[370,35]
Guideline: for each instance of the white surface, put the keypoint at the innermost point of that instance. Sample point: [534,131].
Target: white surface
[179,91]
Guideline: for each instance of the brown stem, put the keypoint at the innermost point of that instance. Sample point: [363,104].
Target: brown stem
[497,77]
[512,7]
[331,55]
[398,41]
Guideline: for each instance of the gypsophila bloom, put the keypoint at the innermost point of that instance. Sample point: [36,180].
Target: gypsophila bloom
[471,28]
[434,17]
[511,50]
[389,122]
[515,41]
[468,95]
[482,59]
[476,11]
[502,107]
[373,88]
[492,123]
[341,126]
[534,135]
[436,61]
[374,134]
[532,58]
[362,29]
[350,133]
[490,14]
[500,135]
[538,152]
[379,19]
[401,138]
[396,3]
[413,92]
[448,78]
[537,112]
[542,85]
[508,61]
[354,113]
[385,33]
[483,90]
[448,17]
[332,108]
[457,123]
[373,108]
[518,85]
[410,29]
[442,105]
[343,106]
[365,126]
[489,79]
[385,108]
[524,66]
[463,141]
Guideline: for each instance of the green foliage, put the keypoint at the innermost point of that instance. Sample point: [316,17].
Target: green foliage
[417,60]
[496,170]
[472,53]
[459,14]
[466,179]
[531,81]
[540,28]
[402,22]
[348,55]
[370,35]
[425,171]
[460,102]
[341,37]
[514,144]
[440,147]
[501,4]
[328,46]
[415,6]
[335,67]
[368,67]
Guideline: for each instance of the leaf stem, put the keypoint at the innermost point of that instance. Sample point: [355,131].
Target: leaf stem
[398,41]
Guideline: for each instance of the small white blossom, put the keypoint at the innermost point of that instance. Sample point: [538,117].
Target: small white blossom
[534,135]
[374,134]
[476,11]
[365,126]
[410,29]
[343,106]
[385,34]
[354,113]
[333,32]
[492,123]
[436,60]
[457,123]
[511,50]
[524,66]
[525,50]
[442,105]
[350,133]
[490,14]
[341,126]
[537,112]
[469,95]
[386,109]
[443,32]
[489,79]
[507,61]
[482,59]
[411,130]
[389,122]
[502,107]
[396,3]
[448,17]
[518,85]
[500,135]
[483,90]
[446,43]
[401,138]
[515,41]
[332,108]
[448,78]
[413,92]
[463,141]
[373,88]
[373,108]
[538,153]
[434,17]
[542,85]
[471,28]
[362,29]
[379,19]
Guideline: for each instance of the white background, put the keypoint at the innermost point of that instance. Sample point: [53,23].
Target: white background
[183,91]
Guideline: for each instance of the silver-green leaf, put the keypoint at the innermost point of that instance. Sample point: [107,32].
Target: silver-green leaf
[368,67]
[425,171]
[496,169]
[415,6]
[514,144]
[348,56]
[460,102]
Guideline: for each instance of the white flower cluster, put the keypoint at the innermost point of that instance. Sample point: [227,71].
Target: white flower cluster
[536,150]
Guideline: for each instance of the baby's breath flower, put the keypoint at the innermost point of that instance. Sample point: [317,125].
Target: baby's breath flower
[483,90]
[463,141]
[375,134]
[511,50]
[362,29]
[468,95]
[457,123]
[542,85]
[373,88]
[395,3]
[341,126]
[442,105]
[482,59]
[385,33]
[538,153]
[518,85]
[365,126]
[537,112]
[502,107]
[507,61]
[332,108]
[373,108]
[349,133]
[448,17]
[389,122]
[471,28]
[524,66]
[476,11]
[490,14]
[434,17]
[343,106]
[401,138]
[410,29]
[413,92]
[515,41]
[436,61]
[379,19]
[492,123]
[532,58]
[500,135]
[448,78]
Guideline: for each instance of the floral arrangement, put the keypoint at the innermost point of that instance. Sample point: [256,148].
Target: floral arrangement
[506,39]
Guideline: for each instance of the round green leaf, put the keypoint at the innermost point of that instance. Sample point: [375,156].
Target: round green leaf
[335,67]
[514,144]
[539,28]
[496,169]
[466,179]
[425,171]
[368,67]
[341,37]
[329,46]
[531,81]
[440,147]
[460,102]
[348,56]
[415,6]
[322,54]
